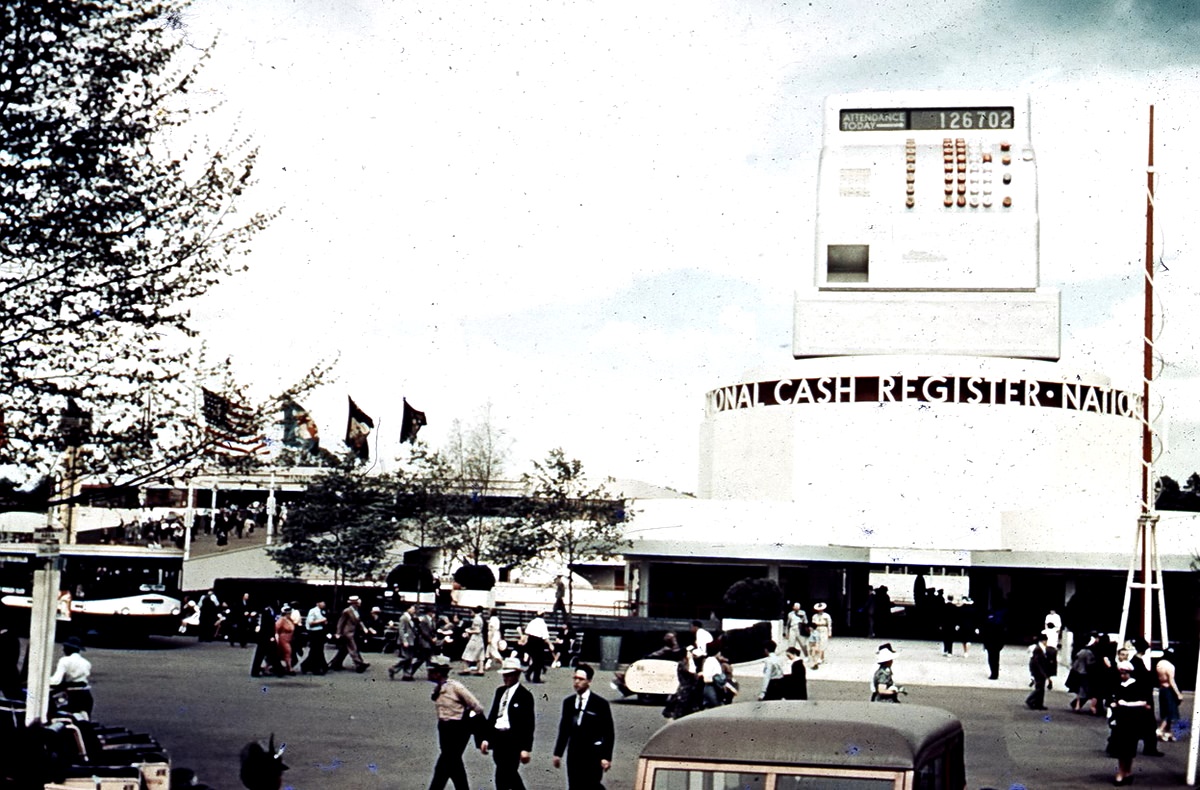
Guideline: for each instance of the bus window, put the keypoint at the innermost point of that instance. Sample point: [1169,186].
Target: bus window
[833,783]
[679,779]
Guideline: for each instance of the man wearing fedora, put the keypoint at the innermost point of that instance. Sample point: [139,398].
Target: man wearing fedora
[349,626]
[510,723]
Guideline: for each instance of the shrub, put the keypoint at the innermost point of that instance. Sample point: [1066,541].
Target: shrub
[745,644]
[753,599]
[475,577]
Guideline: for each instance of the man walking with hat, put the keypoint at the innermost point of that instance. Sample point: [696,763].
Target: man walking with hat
[457,714]
[510,724]
[349,625]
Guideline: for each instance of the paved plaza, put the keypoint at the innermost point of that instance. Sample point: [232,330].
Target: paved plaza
[347,731]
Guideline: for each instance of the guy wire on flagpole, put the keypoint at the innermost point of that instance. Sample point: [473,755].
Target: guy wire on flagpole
[375,455]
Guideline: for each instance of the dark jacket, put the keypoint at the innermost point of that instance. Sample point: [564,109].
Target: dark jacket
[591,738]
[1039,663]
[1147,679]
[521,720]
[426,632]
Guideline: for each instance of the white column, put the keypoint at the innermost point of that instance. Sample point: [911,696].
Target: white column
[189,520]
[1194,734]
[42,621]
[271,509]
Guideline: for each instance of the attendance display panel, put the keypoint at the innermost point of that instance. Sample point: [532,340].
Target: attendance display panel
[927,191]
[956,119]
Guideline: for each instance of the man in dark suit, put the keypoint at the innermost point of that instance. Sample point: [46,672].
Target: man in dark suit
[426,638]
[585,733]
[510,724]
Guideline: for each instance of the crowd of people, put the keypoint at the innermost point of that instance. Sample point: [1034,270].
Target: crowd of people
[286,636]
[1120,684]
[156,529]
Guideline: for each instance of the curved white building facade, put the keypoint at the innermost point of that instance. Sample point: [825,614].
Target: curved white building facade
[935,452]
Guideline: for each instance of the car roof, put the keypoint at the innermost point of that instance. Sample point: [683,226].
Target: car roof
[820,732]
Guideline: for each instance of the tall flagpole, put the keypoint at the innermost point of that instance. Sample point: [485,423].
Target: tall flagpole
[1145,565]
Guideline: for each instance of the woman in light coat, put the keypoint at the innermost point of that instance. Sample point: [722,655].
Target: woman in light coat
[474,651]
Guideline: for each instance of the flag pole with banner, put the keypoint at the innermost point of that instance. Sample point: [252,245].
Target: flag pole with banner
[299,428]
[413,421]
[358,428]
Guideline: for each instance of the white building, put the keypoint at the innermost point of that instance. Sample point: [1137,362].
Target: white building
[925,424]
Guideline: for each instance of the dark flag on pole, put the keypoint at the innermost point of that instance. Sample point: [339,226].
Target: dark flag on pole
[413,420]
[358,428]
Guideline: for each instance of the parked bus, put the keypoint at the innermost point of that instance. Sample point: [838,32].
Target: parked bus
[117,590]
[793,745]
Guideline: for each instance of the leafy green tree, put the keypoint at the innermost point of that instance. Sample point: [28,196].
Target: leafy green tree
[452,498]
[1191,493]
[426,501]
[1166,493]
[344,524]
[477,457]
[111,220]
[564,519]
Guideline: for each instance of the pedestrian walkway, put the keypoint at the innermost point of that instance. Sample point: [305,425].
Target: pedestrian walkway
[243,558]
[919,663]
[204,544]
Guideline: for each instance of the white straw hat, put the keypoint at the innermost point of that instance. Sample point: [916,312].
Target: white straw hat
[511,664]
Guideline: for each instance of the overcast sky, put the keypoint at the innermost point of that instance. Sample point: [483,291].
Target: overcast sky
[589,214]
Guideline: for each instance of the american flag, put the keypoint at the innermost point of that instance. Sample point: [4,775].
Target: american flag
[230,427]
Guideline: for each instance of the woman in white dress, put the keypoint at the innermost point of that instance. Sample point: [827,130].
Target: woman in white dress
[495,641]
[822,630]
[474,651]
